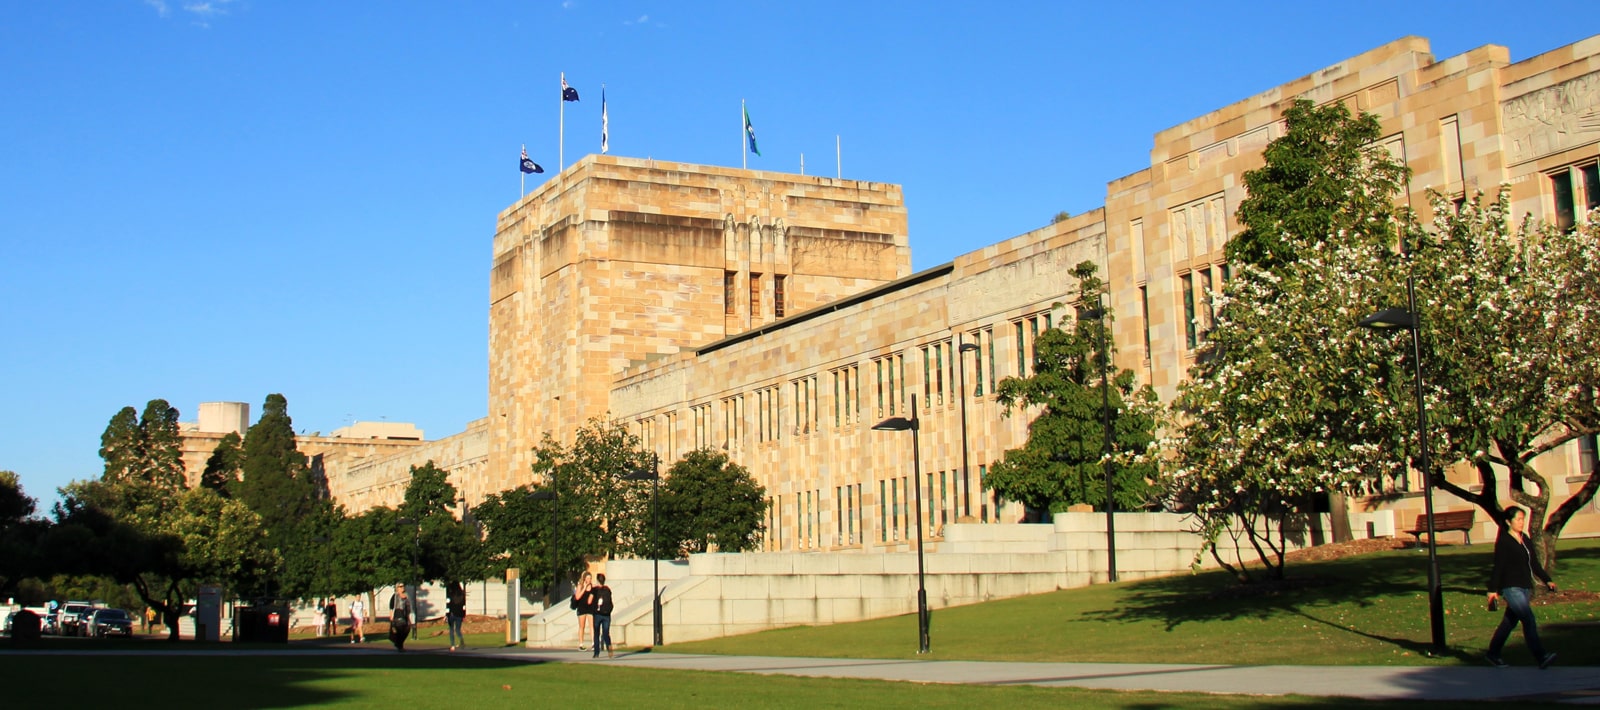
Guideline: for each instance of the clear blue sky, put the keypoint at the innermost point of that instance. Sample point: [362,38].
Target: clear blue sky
[204,201]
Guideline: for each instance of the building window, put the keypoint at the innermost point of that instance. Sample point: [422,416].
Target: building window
[1586,452]
[1144,314]
[805,404]
[884,512]
[1576,190]
[983,498]
[1188,310]
[768,417]
[728,280]
[732,422]
[1205,300]
[984,341]
[755,297]
[778,301]
[846,395]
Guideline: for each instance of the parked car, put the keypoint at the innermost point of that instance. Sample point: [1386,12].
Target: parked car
[70,620]
[105,622]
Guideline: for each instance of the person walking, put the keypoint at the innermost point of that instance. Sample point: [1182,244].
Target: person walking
[455,610]
[358,620]
[330,617]
[399,618]
[600,608]
[581,605]
[1511,581]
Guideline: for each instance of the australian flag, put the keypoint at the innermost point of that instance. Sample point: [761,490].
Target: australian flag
[567,93]
[528,166]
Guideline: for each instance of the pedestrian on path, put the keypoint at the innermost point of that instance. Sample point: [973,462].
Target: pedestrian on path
[600,603]
[399,618]
[330,617]
[358,620]
[455,610]
[581,605]
[1511,582]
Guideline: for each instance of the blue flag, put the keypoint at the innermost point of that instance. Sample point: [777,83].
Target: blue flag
[567,93]
[750,132]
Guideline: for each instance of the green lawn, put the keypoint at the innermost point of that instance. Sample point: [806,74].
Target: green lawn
[1364,610]
[415,681]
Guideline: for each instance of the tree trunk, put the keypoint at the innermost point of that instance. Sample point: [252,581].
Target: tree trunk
[1339,514]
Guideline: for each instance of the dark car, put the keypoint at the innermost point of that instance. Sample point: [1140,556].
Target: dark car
[105,622]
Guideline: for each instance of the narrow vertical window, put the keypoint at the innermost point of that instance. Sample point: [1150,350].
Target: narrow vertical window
[938,363]
[1188,309]
[728,305]
[778,301]
[1205,298]
[1566,209]
[877,366]
[894,392]
[1144,313]
[989,340]
[755,297]
[1022,352]
[883,512]
[983,498]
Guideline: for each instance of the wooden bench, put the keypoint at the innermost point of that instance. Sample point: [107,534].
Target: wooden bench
[1445,522]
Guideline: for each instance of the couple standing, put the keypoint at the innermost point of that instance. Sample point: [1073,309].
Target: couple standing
[593,604]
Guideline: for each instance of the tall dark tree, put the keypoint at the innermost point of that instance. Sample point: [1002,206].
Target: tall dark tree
[222,468]
[1061,462]
[121,446]
[19,534]
[708,501]
[277,484]
[1325,179]
[162,447]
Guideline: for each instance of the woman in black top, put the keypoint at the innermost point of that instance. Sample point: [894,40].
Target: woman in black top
[1515,566]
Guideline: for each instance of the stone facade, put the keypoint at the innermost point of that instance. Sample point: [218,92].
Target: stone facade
[647,290]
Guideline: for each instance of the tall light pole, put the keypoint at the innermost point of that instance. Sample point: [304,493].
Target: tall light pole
[416,547]
[1409,319]
[914,424]
[966,477]
[653,475]
[1099,314]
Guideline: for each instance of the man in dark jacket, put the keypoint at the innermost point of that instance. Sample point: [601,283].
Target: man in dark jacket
[599,599]
[399,617]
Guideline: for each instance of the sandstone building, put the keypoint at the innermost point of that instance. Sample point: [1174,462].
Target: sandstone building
[775,316]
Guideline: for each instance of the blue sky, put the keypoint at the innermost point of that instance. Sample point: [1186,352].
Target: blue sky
[209,201]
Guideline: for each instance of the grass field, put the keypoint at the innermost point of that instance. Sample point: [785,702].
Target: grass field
[1367,609]
[417,681]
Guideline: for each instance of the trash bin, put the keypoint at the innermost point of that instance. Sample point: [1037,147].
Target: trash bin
[24,628]
[261,624]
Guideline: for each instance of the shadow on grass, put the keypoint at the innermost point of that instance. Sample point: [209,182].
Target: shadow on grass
[205,679]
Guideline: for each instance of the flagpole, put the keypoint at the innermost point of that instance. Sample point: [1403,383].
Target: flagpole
[744,153]
[523,174]
[802,163]
[561,154]
[838,157]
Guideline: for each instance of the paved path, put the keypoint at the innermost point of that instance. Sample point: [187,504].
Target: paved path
[1573,685]
[1576,685]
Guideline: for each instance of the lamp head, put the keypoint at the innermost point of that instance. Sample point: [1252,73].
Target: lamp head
[894,424]
[968,348]
[1390,319]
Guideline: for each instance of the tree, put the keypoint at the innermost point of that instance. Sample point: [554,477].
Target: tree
[222,468]
[1277,406]
[120,446]
[597,512]
[1324,179]
[19,534]
[446,549]
[161,447]
[1511,355]
[1062,461]
[278,485]
[708,501]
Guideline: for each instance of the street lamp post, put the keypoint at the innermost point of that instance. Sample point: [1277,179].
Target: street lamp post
[915,425]
[1099,314]
[1410,319]
[966,475]
[416,545]
[653,474]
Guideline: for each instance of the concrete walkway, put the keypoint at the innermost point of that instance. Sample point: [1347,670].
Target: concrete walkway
[1574,685]
[1580,685]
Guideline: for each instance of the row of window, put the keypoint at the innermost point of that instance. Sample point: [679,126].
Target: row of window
[1573,186]
[945,500]
[796,409]
[780,297]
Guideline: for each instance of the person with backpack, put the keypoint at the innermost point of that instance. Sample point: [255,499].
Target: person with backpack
[600,608]
[399,618]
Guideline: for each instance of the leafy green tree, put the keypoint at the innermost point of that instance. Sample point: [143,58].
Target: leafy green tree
[1324,179]
[1511,356]
[370,550]
[1062,461]
[19,534]
[222,468]
[121,446]
[448,550]
[708,501]
[161,447]
[597,511]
